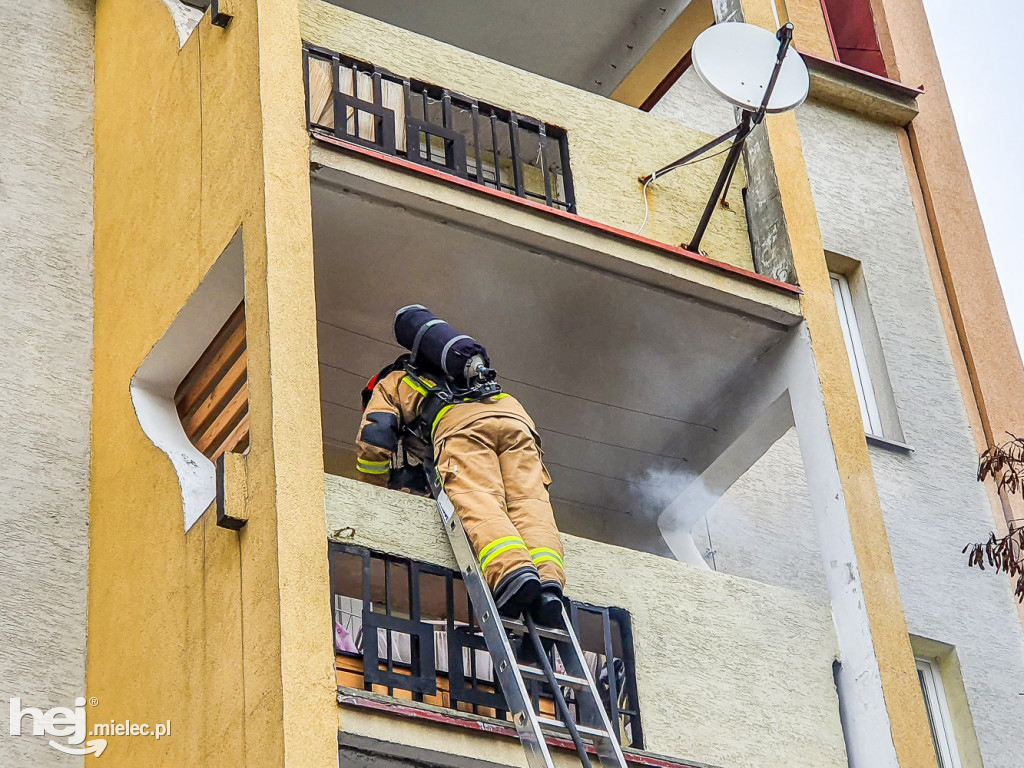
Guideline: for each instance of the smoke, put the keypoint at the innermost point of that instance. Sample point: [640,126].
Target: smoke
[679,502]
[658,488]
[676,495]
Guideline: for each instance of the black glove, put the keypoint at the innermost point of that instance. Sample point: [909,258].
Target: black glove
[412,479]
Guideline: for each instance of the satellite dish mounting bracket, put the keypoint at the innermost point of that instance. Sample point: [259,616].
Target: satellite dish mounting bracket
[748,121]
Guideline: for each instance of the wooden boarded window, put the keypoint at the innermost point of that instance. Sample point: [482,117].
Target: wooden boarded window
[213,399]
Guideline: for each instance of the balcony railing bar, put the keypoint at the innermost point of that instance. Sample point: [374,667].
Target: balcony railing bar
[438,140]
[616,674]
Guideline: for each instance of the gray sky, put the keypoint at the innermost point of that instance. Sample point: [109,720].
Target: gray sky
[981,55]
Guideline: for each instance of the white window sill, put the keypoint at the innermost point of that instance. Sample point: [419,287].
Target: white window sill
[891,445]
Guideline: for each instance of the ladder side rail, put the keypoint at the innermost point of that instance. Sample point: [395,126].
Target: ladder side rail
[588,703]
[505,667]
[556,690]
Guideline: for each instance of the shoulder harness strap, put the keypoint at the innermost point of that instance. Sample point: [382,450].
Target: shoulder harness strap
[439,398]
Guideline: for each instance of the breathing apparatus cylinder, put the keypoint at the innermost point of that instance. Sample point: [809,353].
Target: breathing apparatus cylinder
[436,346]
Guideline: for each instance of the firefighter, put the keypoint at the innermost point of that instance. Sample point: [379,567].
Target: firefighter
[441,405]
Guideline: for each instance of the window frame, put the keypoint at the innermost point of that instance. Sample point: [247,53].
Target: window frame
[858,358]
[939,718]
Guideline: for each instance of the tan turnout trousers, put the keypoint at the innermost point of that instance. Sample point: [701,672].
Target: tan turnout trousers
[493,473]
[491,467]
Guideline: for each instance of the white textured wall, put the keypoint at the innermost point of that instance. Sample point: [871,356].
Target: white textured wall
[756,513]
[730,672]
[763,528]
[932,503]
[46,106]
[692,103]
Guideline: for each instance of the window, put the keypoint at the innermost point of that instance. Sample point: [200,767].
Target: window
[938,714]
[858,359]
[406,629]
[213,399]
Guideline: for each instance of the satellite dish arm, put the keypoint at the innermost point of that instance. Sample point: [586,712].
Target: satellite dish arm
[693,155]
[724,177]
[740,132]
[785,36]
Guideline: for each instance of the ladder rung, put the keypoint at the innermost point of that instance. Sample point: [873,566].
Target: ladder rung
[520,629]
[564,680]
[585,730]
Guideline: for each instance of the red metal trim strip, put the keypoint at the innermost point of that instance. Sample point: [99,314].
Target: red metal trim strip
[572,218]
[454,720]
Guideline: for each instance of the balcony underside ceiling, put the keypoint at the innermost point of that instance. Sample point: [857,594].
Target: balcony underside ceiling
[591,45]
[619,375]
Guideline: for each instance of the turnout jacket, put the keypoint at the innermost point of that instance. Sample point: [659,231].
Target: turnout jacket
[397,400]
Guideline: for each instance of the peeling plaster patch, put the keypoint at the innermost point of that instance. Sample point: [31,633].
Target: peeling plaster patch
[154,384]
[186,18]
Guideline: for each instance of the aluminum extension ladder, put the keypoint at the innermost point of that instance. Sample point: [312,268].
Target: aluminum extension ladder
[593,727]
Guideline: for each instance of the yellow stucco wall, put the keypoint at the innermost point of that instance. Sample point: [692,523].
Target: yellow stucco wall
[221,633]
[665,54]
[611,145]
[890,638]
[810,35]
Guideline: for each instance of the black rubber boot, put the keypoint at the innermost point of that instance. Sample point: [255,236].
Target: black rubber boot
[547,608]
[513,603]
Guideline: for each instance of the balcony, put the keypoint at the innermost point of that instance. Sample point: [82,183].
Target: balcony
[655,384]
[354,102]
[727,671]
[406,629]
[385,103]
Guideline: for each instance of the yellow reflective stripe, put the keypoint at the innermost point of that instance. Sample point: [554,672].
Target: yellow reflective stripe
[496,543]
[412,383]
[499,550]
[373,467]
[442,412]
[556,560]
[543,554]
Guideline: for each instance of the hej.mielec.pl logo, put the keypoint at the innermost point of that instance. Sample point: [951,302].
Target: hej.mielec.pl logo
[64,722]
[59,722]
[67,723]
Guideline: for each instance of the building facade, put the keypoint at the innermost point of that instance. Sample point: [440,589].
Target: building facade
[763,451]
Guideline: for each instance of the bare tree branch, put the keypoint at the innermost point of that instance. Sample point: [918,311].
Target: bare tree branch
[1005,465]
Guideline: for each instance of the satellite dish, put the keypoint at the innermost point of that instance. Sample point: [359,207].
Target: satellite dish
[736,61]
[754,70]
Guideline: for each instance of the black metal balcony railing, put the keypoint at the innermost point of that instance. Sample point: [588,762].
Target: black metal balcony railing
[361,104]
[406,626]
